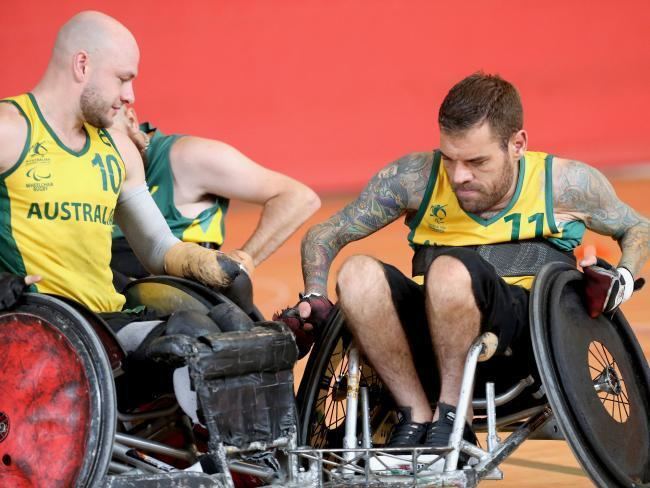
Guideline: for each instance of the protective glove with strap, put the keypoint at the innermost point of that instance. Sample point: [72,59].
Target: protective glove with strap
[607,287]
[305,329]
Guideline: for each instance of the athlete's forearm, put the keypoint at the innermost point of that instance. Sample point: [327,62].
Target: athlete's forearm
[635,245]
[144,227]
[396,188]
[281,216]
[319,247]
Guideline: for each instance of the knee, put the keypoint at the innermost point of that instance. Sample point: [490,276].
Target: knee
[359,274]
[448,281]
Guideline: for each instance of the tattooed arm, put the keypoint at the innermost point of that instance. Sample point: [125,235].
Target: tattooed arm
[581,192]
[393,191]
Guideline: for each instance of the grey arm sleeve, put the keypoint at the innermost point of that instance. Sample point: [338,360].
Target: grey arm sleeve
[145,228]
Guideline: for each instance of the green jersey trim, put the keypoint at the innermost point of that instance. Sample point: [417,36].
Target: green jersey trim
[433,178]
[79,153]
[10,258]
[548,175]
[28,141]
[572,233]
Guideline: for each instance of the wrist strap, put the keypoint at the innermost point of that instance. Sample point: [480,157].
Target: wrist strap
[309,295]
[628,282]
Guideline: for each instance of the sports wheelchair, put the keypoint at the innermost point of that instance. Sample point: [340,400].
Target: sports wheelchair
[62,423]
[587,382]
[75,410]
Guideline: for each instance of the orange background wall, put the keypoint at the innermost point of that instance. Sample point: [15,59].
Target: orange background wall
[330,90]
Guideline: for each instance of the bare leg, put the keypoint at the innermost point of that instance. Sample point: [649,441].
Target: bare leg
[454,322]
[365,299]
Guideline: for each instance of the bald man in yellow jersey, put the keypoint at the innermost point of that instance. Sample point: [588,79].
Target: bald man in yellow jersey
[65,177]
[485,214]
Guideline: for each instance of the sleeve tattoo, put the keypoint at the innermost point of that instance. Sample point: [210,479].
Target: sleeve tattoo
[582,189]
[388,195]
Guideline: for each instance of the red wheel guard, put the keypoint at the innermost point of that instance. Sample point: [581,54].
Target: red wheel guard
[45,404]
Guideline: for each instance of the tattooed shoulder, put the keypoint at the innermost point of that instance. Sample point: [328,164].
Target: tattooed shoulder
[583,192]
[411,174]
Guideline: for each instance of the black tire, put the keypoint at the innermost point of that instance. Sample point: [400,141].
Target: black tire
[57,396]
[596,380]
[321,395]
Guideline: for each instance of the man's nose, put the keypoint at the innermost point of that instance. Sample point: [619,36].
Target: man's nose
[128,94]
[461,174]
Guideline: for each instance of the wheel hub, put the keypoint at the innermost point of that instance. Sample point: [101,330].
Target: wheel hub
[608,382]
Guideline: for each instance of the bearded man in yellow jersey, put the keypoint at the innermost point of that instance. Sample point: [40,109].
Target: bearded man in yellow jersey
[484,215]
[65,177]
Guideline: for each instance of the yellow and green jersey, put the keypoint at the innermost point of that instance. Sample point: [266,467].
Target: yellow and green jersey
[56,211]
[208,226]
[440,220]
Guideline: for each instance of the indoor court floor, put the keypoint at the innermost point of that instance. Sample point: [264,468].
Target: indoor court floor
[278,281]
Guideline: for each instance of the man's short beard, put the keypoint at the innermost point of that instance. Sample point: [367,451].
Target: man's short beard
[94,110]
[486,202]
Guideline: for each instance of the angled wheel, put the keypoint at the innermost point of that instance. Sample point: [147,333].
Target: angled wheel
[168,294]
[596,380]
[322,393]
[57,398]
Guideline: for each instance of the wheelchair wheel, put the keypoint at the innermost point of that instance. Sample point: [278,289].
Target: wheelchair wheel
[322,393]
[57,398]
[596,379]
[168,294]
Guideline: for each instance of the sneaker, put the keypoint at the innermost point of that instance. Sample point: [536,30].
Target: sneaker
[406,434]
[439,432]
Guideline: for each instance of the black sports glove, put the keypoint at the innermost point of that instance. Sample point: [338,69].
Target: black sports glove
[11,288]
[321,308]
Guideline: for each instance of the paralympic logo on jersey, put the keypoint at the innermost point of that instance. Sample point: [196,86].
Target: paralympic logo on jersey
[37,174]
[39,149]
[439,214]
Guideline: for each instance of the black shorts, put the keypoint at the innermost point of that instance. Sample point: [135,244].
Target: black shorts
[503,308]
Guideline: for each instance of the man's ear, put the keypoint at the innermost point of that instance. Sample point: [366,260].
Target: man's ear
[519,143]
[132,117]
[80,66]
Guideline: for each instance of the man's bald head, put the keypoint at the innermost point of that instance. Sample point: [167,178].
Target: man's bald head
[93,65]
[95,33]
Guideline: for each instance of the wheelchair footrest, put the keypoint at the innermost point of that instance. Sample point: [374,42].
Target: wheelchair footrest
[185,479]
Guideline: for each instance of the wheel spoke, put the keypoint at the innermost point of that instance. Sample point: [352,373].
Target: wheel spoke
[596,358]
[607,355]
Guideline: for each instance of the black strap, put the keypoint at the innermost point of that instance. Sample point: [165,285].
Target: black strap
[521,258]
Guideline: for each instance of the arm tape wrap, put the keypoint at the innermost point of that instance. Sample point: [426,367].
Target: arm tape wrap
[145,228]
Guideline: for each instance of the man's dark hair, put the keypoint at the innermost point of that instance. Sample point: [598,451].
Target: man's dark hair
[483,98]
